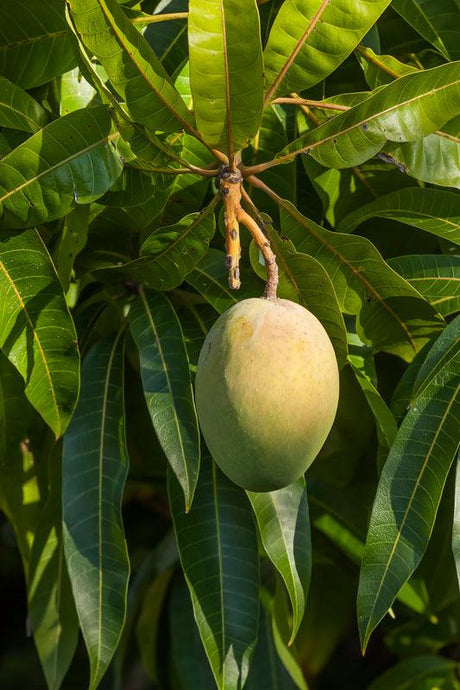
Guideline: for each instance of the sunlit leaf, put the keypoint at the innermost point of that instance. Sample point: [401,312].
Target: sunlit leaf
[36,330]
[308,40]
[70,160]
[132,67]
[226,71]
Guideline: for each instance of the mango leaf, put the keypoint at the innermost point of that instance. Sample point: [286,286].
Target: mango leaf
[71,241]
[437,23]
[218,550]
[169,38]
[303,279]
[18,110]
[210,278]
[167,385]
[133,69]
[170,253]
[188,655]
[308,40]
[381,69]
[70,160]
[35,42]
[391,313]
[396,112]
[434,159]
[436,277]
[94,471]
[75,92]
[148,625]
[36,330]
[284,528]
[20,498]
[226,71]
[411,483]
[456,523]
[52,611]
[279,609]
[428,671]
[384,420]
[432,210]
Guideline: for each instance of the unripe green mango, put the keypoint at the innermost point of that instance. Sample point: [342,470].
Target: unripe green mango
[267,388]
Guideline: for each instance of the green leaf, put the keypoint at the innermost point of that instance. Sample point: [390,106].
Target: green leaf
[210,278]
[18,110]
[432,210]
[411,483]
[218,551]
[167,385]
[75,92]
[456,523]
[36,330]
[20,498]
[308,40]
[52,611]
[396,112]
[284,528]
[267,669]
[303,279]
[384,420]
[226,71]
[170,253]
[70,160]
[148,627]
[391,313]
[94,471]
[132,67]
[70,243]
[421,672]
[188,655]
[35,42]
[436,22]
[436,277]
[381,69]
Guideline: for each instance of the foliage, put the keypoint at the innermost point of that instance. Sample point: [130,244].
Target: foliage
[123,125]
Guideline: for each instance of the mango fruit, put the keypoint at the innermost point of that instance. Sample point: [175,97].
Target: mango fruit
[267,388]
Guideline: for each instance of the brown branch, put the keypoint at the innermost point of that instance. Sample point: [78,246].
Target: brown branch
[154,18]
[311,104]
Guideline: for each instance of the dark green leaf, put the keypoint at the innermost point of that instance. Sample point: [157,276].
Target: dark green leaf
[411,484]
[36,330]
[132,67]
[35,42]
[18,110]
[437,278]
[218,550]
[94,470]
[309,40]
[71,241]
[167,385]
[71,160]
[421,672]
[396,112]
[456,525]
[436,22]
[391,313]
[52,612]
[210,278]
[433,210]
[284,528]
[226,71]
[170,253]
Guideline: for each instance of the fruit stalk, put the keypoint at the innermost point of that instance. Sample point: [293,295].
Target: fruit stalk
[229,184]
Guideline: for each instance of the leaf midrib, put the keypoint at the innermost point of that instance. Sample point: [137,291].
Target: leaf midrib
[56,166]
[407,511]
[36,338]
